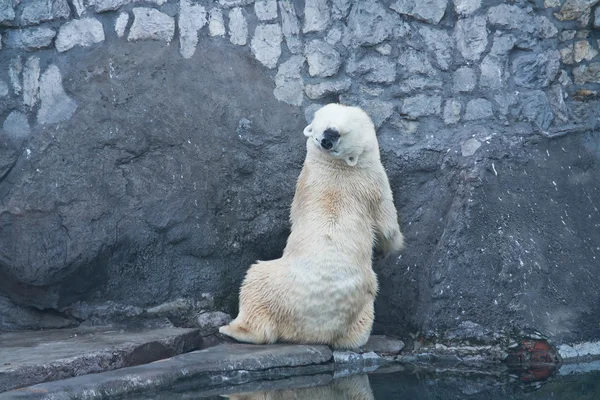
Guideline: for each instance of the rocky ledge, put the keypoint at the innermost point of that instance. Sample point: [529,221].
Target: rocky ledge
[87,359]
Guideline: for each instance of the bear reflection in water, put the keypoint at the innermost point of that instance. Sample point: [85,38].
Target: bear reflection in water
[351,388]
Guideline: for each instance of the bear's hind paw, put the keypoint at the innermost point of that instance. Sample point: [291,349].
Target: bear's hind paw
[240,333]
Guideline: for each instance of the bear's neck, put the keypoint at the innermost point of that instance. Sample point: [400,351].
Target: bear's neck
[365,160]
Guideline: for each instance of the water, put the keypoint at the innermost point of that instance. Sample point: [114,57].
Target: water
[399,382]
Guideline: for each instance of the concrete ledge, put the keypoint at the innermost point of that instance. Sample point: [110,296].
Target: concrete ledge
[217,366]
[31,357]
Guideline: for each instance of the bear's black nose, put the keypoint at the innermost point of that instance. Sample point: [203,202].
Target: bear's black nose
[330,136]
[326,144]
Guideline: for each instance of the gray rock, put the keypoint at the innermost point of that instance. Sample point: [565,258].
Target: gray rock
[210,322]
[406,127]
[205,90]
[379,111]
[556,97]
[418,83]
[430,11]
[319,90]
[492,73]
[80,7]
[546,28]
[416,62]
[259,363]
[440,43]
[316,16]
[14,73]
[421,105]
[537,109]
[289,85]
[31,81]
[508,104]
[151,24]
[238,27]
[15,317]
[266,44]
[7,12]
[374,69]
[576,10]
[108,5]
[56,105]
[567,35]
[587,73]
[123,19]
[564,79]
[216,24]
[536,70]
[340,8]
[383,345]
[368,24]
[551,3]
[265,10]
[384,49]
[566,55]
[66,353]
[502,45]
[342,357]
[469,147]
[471,37]
[235,3]
[510,16]
[583,34]
[582,50]
[452,111]
[290,26]
[597,18]
[30,38]
[478,109]
[334,35]
[36,11]
[80,32]
[466,7]
[3,88]
[192,17]
[464,80]
[323,59]
[17,126]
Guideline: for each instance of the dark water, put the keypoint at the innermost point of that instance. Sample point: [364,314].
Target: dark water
[409,384]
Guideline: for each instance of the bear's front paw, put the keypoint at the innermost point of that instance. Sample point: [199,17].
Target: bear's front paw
[389,244]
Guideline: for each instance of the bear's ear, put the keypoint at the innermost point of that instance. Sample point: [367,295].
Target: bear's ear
[308,131]
[351,159]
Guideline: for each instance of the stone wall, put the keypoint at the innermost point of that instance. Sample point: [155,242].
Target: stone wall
[153,146]
[403,61]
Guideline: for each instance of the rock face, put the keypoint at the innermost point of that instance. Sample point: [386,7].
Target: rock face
[81,32]
[149,151]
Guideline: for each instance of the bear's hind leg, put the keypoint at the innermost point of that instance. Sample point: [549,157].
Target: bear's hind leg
[359,331]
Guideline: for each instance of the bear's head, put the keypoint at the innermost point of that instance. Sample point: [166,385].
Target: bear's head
[342,133]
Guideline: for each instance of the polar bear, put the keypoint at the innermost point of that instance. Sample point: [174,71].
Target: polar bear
[322,290]
[355,387]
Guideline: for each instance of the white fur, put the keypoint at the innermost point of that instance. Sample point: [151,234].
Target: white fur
[323,288]
[354,387]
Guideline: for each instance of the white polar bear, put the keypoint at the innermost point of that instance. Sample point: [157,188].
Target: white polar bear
[354,387]
[322,290]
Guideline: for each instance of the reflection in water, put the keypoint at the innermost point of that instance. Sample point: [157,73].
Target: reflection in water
[444,382]
[351,388]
